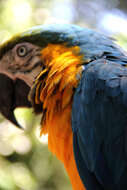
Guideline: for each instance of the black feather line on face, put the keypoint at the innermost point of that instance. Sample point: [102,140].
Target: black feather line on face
[34,66]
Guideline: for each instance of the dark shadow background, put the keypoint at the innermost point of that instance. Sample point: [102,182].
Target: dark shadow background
[25,162]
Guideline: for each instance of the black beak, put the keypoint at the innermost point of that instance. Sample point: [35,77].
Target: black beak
[11,117]
[13,94]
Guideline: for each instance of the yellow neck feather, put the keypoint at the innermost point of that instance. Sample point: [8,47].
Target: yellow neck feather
[54,88]
[63,66]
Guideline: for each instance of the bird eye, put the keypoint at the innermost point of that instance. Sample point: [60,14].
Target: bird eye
[22,51]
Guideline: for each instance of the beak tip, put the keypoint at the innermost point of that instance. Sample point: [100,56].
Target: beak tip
[11,117]
[14,121]
[18,125]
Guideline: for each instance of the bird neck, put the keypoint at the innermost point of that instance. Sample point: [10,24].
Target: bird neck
[54,88]
[63,68]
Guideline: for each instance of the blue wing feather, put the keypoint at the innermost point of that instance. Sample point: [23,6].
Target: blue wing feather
[101,121]
[88,178]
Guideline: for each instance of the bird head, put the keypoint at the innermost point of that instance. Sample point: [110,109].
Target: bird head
[22,61]
[18,68]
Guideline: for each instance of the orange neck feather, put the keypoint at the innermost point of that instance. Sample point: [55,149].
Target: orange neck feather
[63,68]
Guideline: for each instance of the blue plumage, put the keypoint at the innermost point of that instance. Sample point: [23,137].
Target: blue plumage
[101,122]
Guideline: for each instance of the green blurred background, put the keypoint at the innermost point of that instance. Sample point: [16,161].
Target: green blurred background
[25,162]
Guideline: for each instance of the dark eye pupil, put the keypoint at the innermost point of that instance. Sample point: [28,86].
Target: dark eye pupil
[22,51]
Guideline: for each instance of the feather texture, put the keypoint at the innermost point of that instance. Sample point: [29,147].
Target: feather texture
[99,126]
[81,88]
[55,91]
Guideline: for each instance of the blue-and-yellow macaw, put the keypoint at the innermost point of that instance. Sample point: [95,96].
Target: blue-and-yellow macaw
[77,79]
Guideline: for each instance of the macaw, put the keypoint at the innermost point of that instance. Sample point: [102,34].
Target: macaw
[76,79]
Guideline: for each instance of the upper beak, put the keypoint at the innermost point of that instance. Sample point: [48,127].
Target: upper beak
[13,94]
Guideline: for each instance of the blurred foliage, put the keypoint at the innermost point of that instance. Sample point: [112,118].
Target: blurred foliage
[25,162]
[122,41]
